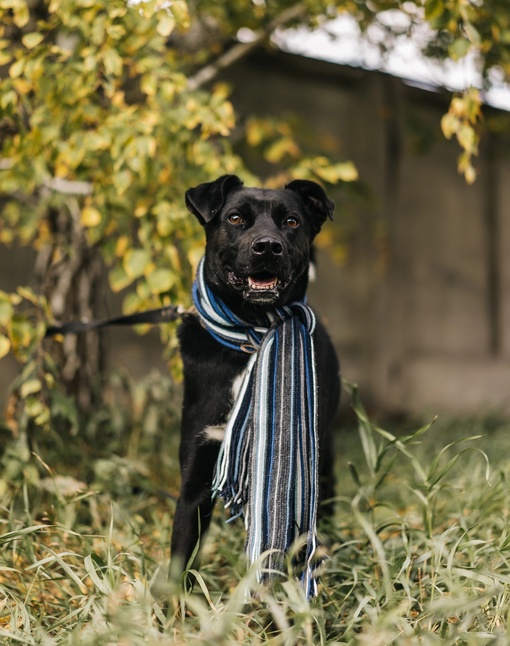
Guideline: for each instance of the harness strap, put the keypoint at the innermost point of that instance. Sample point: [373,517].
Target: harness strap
[159,315]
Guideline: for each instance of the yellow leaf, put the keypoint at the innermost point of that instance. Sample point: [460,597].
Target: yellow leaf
[5,346]
[16,68]
[140,210]
[466,137]
[166,23]
[121,246]
[28,294]
[5,58]
[21,86]
[470,174]
[347,172]
[148,84]
[30,387]
[32,39]
[180,10]
[6,311]
[21,13]
[284,146]
[90,217]
[344,171]
[449,124]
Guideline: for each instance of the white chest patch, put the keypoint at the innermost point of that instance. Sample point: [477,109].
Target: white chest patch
[214,433]
[217,433]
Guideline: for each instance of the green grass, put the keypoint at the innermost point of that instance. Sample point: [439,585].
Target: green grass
[418,551]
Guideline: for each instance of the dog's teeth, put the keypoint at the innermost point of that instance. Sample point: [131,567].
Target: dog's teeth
[261,283]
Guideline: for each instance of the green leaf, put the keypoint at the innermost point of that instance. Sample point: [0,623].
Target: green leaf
[122,181]
[131,303]
[473,33]
[119,279]
[35,408]
[112,62]
[459,48]
[160,281]
[434,9]
[136,262]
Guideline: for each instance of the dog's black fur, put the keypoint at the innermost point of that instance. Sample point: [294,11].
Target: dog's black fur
[258,244]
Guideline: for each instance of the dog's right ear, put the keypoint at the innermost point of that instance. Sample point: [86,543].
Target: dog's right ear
[206,200]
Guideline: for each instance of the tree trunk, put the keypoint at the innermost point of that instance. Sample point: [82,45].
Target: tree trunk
[70,273]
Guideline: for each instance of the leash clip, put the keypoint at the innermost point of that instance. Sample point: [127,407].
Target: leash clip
[249,349]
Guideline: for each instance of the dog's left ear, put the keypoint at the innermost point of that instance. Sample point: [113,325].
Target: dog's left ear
[206,200]
[318,203]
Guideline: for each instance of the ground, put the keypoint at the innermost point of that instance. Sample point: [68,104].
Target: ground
[418,551]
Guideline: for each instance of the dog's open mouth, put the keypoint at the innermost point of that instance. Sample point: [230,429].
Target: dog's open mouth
[259,282]
[262,282]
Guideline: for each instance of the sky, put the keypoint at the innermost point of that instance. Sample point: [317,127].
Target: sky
[340,42]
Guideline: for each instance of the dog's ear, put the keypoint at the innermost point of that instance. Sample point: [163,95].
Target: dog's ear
[318,203]
[206,200]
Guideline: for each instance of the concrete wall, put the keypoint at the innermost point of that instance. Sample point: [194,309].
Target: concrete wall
[420,309]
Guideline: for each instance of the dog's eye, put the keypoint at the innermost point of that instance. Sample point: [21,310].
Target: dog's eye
[291,222]
[235,218]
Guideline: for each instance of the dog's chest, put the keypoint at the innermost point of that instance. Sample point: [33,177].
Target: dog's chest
[216,433]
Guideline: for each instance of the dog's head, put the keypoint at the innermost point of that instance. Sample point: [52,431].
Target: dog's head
[258,240]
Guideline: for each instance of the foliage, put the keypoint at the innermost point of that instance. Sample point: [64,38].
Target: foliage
[104,129]
[33,395]
[104,123]
[418,549]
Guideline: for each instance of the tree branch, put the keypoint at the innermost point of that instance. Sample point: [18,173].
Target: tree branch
[57,184]
[209,72]
[68,187]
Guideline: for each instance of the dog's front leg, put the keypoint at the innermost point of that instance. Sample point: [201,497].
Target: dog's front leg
[195,504]
[210,373]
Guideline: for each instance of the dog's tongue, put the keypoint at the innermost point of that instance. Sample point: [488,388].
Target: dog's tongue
[262,283]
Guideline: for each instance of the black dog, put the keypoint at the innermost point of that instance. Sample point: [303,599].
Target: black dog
[258,244]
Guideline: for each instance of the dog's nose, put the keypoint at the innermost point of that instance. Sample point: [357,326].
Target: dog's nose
[267,245]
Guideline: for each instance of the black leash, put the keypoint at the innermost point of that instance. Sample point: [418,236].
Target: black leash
[160,315]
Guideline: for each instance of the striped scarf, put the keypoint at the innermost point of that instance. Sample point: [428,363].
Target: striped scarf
[267,468]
